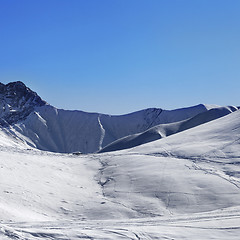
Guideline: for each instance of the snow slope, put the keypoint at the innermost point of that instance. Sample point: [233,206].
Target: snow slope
[193,171]
[56,130]
[25,116]
[185,186]
[164,130]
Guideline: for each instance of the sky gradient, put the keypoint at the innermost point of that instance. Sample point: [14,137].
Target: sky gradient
[120,56]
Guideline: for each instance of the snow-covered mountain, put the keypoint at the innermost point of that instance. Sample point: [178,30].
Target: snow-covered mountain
[164,130]
[26,117]
[184,186]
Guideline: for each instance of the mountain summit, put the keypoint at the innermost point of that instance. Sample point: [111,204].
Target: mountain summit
[16,102]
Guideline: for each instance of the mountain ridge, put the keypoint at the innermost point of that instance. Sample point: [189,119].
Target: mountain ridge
[165,130]
[16,102]
[37,124]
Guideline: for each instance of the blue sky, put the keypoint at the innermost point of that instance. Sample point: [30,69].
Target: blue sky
[119,56]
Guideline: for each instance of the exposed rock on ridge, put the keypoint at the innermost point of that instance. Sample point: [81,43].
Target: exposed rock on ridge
[16,102]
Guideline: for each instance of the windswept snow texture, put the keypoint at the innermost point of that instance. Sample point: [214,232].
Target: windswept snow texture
[164,130]
[185,186]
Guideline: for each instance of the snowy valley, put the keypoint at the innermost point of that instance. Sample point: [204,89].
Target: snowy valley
[151,174]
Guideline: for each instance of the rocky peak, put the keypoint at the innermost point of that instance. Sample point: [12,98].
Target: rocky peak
[16,102]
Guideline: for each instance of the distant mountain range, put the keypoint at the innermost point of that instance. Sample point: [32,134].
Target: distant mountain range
[27,119]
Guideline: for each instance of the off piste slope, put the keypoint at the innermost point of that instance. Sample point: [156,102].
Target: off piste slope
[185,186]
[196,170]
[164,130]
[26,117]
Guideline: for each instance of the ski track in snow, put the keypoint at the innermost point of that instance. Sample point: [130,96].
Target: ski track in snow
[217,225]
[223,224]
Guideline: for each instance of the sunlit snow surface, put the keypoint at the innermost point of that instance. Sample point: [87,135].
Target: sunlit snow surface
[185,186]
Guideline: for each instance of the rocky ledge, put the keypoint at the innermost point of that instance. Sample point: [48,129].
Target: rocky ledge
[16,102]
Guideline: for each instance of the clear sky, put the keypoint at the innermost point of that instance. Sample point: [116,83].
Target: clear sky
[119,56]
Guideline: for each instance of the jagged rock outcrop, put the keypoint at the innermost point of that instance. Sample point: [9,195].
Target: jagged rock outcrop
[16,102]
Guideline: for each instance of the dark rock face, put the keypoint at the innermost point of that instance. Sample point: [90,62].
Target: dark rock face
[16,102]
